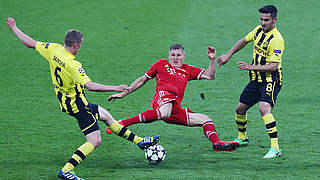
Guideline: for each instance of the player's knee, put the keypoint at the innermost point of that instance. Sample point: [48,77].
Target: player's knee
[200,120]
[96,142]
[165,116]
[264,109]
[241,110]
[106,119]
[205,119]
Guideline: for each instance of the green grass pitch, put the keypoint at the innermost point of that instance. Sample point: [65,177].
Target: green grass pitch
[121,40]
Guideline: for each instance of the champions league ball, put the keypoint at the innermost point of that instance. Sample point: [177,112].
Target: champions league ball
[155,154]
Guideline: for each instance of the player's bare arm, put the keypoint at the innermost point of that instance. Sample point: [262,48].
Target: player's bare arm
[210,73]
[28,41]
[92,86]
[134,86]
[137,84]
[225,58]
[264,68]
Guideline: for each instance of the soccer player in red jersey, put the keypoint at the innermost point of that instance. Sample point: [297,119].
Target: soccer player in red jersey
[172,77]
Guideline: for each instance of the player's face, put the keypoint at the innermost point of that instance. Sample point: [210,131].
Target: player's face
[176,57]
[76,47]
[267,22]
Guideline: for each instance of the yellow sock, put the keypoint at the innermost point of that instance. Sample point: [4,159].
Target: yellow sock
[124,132]
[78,156]
[271,126]
[241,122]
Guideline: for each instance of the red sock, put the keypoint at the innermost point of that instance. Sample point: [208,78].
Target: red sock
[148,116]
[210,131]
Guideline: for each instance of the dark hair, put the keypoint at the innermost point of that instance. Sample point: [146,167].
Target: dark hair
[176,46]
[72,36]
[269,9]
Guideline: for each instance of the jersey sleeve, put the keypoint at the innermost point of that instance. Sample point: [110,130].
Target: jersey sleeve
[44,49]
[276,49]
[195,73]
[250,35]
[78,73]
[153,71]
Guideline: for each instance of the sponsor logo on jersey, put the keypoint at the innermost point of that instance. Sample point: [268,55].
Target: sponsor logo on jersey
[277,51]
[261,51]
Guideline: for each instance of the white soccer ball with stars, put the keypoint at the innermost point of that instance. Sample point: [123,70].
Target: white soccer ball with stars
[155,154]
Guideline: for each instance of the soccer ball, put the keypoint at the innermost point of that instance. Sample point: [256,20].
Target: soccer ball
[155,154]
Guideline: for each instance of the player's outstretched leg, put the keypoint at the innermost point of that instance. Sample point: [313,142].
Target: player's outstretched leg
[142,143]
[147,116]
[68,175]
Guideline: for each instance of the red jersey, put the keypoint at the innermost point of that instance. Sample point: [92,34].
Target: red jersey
[173,79]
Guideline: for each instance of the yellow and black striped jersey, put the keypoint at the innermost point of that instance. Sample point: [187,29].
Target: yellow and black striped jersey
[68,76]
[268,47]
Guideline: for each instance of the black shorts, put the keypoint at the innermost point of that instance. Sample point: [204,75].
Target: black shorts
[88,118]
[256,91]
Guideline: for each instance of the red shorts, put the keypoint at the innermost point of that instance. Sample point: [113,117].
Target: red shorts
[178,115]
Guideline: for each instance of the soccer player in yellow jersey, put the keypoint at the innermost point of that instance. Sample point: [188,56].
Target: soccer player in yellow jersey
[69,80]
[265,76]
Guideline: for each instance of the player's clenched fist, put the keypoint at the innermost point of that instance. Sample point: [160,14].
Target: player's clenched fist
[211,53]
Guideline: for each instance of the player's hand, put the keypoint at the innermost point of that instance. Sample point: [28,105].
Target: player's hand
[115,96]
[211,53]
[122,88]
[11,22]
[222,60]
[244,66]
